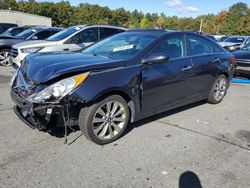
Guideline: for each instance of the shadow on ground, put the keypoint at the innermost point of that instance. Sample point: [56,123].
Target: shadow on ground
[189,180]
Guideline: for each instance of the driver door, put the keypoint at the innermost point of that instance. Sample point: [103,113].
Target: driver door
[167,84]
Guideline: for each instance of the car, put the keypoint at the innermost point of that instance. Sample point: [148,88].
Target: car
[5,26]
[71,39]
[13,31]
[234,43]
[33,33]
[243,61]
[120,80]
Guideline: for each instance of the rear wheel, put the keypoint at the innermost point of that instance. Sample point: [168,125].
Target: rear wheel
[4,57]
[218,90]
[105,121]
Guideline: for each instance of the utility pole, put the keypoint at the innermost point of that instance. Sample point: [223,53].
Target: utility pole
[201,24]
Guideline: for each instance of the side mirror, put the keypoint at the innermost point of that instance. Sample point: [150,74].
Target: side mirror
[156,58]
[34,37]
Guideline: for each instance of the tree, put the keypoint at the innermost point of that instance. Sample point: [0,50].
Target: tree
[220,19]
[144,23]
[232,24]
[120,17]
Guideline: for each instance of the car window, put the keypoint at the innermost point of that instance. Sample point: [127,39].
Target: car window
[16,31]
[26,33]
[173,47]
[200,46]
[42,35]
[85,36]
[106,32]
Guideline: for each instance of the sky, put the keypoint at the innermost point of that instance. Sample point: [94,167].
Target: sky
[180,8]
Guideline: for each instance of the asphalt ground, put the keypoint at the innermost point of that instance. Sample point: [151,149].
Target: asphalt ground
[199,145]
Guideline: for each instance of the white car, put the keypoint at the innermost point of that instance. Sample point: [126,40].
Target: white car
[73,38]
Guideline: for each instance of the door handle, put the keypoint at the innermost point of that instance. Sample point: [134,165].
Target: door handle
[186,67]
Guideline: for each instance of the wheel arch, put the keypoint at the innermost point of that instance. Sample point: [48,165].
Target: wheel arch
[125,95]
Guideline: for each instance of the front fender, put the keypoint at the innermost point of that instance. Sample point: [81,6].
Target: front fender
[122,80]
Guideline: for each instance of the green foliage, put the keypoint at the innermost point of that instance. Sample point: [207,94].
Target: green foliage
[235,21]
[236,14]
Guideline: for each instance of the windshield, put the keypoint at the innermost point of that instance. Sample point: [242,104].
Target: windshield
[121,46]
[235,39]
[63,34]
[25,34]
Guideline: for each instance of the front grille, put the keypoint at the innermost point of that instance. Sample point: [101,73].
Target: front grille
[14,53]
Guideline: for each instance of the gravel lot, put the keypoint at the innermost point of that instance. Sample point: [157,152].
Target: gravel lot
[201,144]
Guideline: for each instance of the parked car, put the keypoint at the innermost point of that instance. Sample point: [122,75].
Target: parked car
[71,39]
[234,43]
[13,31]
[243,61]
[5,26]
[34,33]
[119,80]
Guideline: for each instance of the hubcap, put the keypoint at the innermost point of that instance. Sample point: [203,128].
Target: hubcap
[4,58]
[220,89]
[109,120]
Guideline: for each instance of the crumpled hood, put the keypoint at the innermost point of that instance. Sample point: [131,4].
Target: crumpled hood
[34,44]
[40,68]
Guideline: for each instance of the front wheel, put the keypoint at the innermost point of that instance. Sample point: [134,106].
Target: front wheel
[105,121]
[4,57]
[218,90]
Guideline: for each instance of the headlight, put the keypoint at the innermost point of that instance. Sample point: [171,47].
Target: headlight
[30,50]
[58,90]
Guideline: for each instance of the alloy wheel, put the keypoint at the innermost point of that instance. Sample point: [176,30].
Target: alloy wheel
[109,120]
[220,89]
[4,57]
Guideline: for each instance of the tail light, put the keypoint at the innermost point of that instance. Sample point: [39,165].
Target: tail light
[233,60]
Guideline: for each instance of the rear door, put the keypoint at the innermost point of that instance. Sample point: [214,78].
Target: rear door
[167,84]
[206,58]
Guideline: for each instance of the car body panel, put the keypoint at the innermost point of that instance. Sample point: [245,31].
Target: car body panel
[54,64]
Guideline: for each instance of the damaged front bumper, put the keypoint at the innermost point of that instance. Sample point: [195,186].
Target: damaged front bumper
[37,116]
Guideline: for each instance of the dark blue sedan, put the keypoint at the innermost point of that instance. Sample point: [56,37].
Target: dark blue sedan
[120,80]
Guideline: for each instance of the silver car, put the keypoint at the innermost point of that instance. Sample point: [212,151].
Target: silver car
[71,39]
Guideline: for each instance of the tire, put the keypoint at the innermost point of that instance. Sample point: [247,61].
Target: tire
[4,57]
[104,122]
[219,90]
